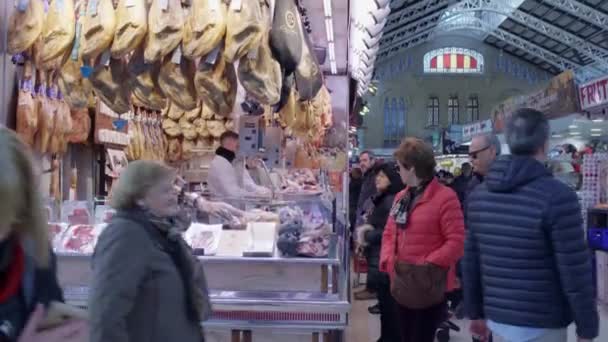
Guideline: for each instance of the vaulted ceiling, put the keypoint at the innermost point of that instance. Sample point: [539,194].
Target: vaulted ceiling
[554,34]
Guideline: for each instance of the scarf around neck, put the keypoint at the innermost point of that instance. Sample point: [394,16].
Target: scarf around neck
[226,153]
[402,208]
[188,266]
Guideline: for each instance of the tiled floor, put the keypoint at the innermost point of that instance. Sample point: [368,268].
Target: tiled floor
[365,327]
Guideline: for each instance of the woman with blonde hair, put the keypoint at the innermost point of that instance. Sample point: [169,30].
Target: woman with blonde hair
[27,265]
[146,284]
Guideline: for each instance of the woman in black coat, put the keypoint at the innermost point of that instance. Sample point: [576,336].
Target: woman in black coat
[388,184]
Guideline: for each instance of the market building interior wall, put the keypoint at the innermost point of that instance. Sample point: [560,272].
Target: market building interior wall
[402,77]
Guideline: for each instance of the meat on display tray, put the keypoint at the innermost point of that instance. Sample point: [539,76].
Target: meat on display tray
[204,236]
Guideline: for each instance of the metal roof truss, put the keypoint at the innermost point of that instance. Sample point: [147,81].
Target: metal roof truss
[581,11]
[594,52]
[412,12]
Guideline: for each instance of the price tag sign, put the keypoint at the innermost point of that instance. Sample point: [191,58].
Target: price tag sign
[86,71]
[22,5]
[164,5]
[236,5]
[212,56]
[76,47]
[92,8]
[130,3]
[214,5]
[253,54]
[177,55]
[105,58]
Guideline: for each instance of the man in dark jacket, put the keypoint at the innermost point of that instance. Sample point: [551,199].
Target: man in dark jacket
[354,188]
[368,165]
[461,182]
[527,269]
[483,151]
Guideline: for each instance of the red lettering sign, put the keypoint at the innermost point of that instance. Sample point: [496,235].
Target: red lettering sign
[594,93]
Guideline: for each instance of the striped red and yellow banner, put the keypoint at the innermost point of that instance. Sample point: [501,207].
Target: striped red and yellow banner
[453,62]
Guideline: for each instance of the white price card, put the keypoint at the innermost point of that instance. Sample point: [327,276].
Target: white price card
[164,4]
[253,54]
[76,47]
[212,56]
[130,3]
[105,58]
[92,8]
[177,55]
[236,5]
[22,5]
[214,5]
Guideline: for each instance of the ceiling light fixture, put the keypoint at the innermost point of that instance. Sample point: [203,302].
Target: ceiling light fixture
[575,133]
[596,130]
[334,67]
[573,126]
[327,7]
[329,30]
[596,135]
[332,51]
[598,120]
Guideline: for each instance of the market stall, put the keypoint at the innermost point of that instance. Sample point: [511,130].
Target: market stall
[118,81]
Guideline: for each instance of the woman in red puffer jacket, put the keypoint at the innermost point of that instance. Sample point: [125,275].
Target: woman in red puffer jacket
[428,223]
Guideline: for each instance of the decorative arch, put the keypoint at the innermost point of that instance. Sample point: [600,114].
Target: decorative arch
[453,60]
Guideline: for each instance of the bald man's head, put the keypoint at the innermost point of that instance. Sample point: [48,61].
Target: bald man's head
[483,151]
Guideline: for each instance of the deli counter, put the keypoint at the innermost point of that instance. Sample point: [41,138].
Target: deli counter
[282,280]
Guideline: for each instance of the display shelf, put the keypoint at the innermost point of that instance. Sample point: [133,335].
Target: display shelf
[270,260]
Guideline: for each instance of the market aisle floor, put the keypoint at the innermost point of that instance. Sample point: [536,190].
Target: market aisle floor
[365,327]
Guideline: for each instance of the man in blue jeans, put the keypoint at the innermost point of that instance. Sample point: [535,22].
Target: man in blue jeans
[527,268]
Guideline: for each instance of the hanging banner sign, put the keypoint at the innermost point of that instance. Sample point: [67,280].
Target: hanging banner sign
[594,93]
[476,128]
[110,128]
[557,99]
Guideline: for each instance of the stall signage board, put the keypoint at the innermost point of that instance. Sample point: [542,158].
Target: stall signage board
[476,128]
[557,99]
[110,128]
[594,94]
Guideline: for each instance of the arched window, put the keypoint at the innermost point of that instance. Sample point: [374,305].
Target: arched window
[453,60]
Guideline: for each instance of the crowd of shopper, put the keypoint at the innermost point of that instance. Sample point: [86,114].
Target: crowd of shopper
[525,271]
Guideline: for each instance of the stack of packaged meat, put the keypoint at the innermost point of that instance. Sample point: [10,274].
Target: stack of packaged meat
[80,238]
[300,181]
[303,233]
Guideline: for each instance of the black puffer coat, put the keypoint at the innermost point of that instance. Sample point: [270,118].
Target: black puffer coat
[383,202]
[526,261]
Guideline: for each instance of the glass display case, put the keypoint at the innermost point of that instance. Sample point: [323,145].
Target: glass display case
[264,285]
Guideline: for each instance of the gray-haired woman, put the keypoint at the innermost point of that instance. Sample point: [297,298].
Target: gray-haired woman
[146,284]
